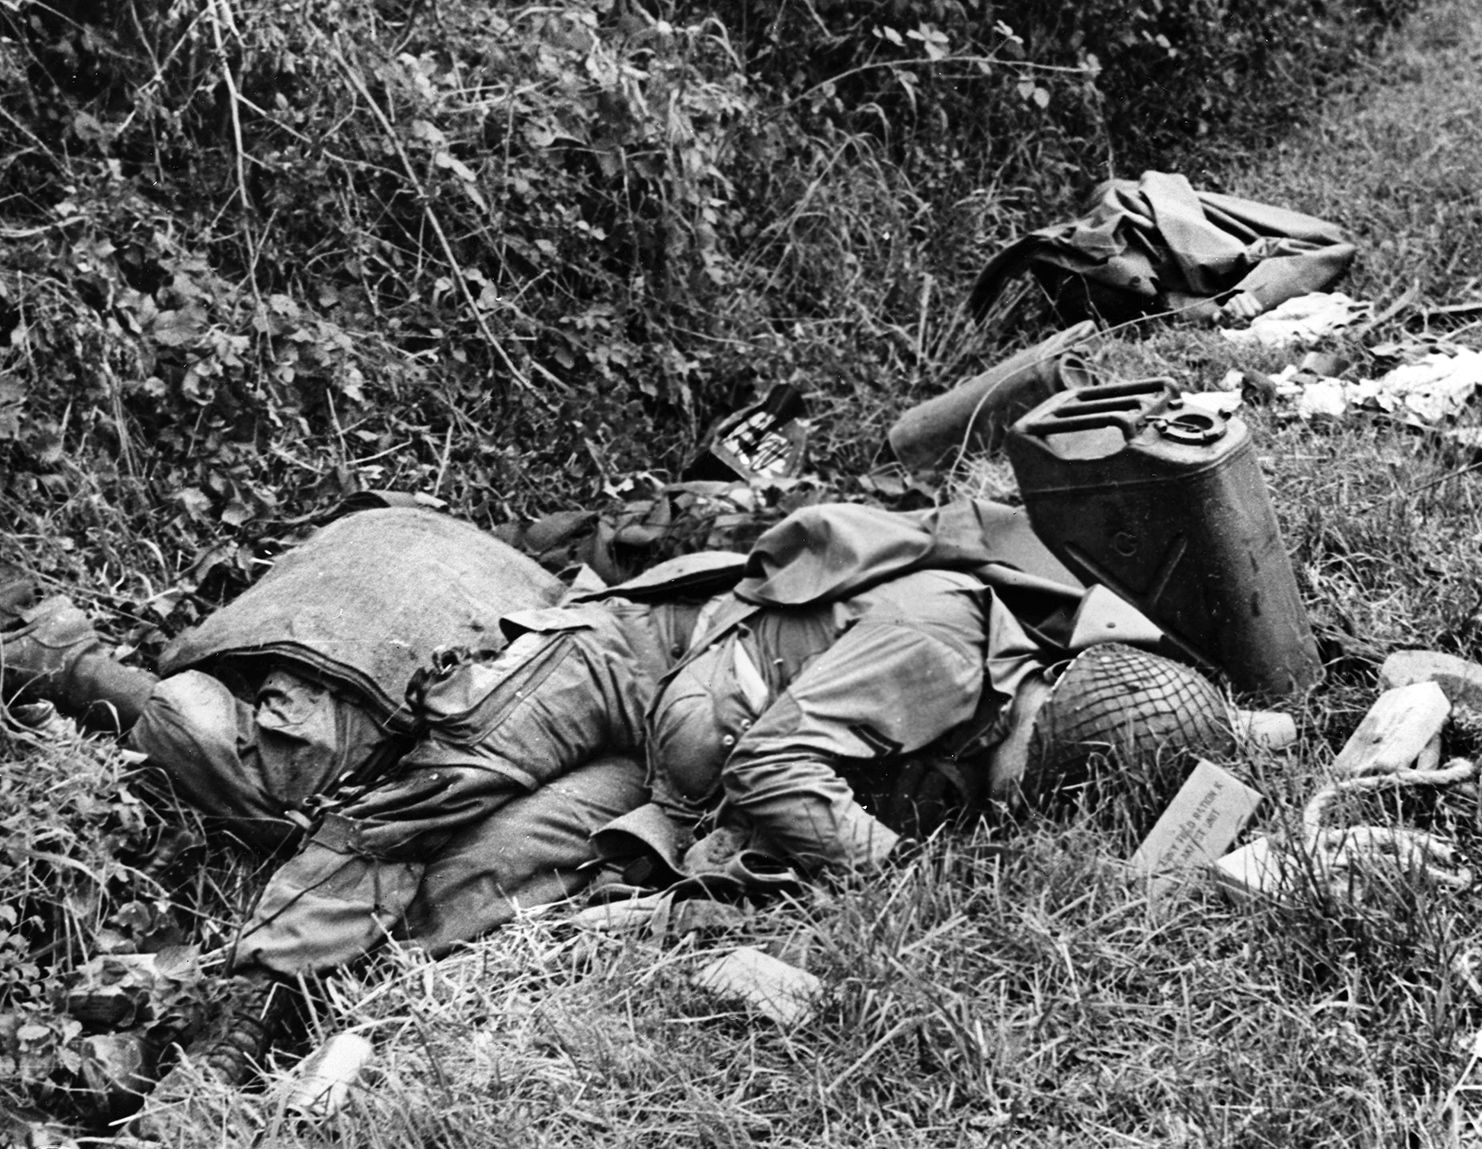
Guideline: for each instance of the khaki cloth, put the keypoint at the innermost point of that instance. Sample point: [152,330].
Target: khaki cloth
[246,765]
[332,903]
[839,664]
[1156,244]
[446,849]
[522,757]
[761,728]
[858,639]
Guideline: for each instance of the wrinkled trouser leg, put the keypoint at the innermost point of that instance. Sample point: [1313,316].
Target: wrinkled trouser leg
[496,732]
[526,854]
[245,765]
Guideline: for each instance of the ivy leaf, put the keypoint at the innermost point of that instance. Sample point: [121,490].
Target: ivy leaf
[177,328]
[195,502]
[236,513]
[351,383]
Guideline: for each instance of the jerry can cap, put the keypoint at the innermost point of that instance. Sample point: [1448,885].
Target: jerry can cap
[1194,426]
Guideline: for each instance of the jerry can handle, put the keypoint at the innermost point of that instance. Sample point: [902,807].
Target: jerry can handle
[1126,420]
[1123,405]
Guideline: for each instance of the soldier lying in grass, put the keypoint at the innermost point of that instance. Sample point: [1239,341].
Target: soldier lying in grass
[856,677]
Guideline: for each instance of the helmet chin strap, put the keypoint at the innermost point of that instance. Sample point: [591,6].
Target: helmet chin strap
[1010,758]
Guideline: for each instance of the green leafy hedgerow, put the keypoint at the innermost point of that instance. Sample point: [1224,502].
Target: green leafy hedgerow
[261,255]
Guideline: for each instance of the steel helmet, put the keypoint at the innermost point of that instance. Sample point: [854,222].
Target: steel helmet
[1143,712]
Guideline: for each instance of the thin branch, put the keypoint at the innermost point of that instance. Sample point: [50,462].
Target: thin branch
[433,222]
[236,99]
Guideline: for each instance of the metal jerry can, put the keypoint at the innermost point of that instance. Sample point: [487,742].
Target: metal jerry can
[1165,505]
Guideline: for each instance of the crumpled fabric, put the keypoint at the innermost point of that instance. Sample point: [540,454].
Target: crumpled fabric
[833,550]
[1157,245]
[327,906]
[245,765]
[503,766]
[1433,389]
[1428,392]
[767,723]
[878,586]
[1301,320]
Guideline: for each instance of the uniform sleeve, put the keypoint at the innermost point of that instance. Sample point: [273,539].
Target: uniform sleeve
[891,685]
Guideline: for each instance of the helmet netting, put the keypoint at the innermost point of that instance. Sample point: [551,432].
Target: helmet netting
[1118,702]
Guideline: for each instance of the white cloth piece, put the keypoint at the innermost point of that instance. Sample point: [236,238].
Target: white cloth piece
[1303,320]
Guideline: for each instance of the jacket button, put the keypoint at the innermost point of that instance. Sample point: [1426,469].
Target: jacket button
[728,741]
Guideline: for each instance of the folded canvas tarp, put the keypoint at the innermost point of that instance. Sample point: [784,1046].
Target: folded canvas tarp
[364,601]
[1156,245]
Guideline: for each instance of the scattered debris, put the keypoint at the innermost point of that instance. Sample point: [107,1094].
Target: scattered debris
[322,1082]
[1316,811]
[1396,731]
[1396,746]
[1460,680]
[1268,730]
[778,991]
[1318,398]
[1346,857]
[1303,320]
[1346,861]
[1433,383]
[1434,388]
[1424,393]
[1314,374]
[768,440]
[1256,869]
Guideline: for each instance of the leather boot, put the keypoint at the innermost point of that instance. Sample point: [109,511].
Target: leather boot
[17,591]
[39,649]
[232,1045]
[222,1053]
[51,651]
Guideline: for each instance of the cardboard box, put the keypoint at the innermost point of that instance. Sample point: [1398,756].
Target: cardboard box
[776,990]
[1257,869]
[1205,816]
